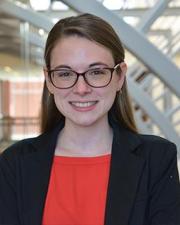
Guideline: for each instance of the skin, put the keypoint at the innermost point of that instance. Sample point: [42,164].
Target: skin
[82,123]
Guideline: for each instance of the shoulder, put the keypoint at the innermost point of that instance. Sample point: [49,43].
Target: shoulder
[9,159]
[156,143]
[157,151]
[144,144]
[20,149]
[141,144]
[42,144]
[16,150]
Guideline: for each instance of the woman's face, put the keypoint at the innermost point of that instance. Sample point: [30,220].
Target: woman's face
[82,104]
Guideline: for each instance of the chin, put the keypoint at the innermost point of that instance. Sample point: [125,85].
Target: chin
[82,121]
[85,123]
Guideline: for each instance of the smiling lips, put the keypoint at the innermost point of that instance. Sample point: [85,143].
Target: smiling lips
[83,105]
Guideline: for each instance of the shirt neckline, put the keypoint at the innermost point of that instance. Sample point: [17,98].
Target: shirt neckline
[82,160]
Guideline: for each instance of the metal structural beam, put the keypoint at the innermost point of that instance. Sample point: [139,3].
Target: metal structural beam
[134,12]
[139,12]
[151,15]
[25,14]
[135,42]
[36,40]
[148,106]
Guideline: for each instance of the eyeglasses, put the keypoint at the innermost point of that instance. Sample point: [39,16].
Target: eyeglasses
[97,77]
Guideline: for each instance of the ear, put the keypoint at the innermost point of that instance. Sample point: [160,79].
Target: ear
[48,82]
[122,74]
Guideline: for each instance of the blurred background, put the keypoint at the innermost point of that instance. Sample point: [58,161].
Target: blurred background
[150,32]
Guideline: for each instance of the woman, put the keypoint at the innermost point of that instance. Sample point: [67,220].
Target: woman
[89,166]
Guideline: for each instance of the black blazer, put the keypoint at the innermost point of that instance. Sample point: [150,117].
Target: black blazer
[143,185]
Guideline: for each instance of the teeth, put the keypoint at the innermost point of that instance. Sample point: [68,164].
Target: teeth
[83,104]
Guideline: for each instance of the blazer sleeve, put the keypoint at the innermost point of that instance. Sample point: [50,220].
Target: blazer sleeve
[8,191]
[165,187]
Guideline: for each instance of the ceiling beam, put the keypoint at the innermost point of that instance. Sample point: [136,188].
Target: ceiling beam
[151,15]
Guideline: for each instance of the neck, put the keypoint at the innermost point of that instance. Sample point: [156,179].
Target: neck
[75,140]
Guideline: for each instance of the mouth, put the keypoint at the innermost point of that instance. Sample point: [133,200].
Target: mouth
[83,104]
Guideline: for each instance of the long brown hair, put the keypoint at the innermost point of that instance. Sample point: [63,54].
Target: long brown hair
[97,30]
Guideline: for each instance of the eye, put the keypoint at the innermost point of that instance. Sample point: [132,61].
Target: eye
[96,72]
[63,73]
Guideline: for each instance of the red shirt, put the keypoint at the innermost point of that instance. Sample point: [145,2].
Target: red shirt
[77,191]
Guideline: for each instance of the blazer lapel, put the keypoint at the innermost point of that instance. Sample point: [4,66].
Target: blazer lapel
[125,172]
[36,168]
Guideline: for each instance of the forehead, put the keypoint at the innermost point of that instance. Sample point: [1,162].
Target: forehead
[77,51]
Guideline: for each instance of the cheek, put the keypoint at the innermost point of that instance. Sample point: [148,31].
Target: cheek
[60,99]
[108,98]
[111,97]
[61,94]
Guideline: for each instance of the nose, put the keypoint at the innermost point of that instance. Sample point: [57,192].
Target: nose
[81,87]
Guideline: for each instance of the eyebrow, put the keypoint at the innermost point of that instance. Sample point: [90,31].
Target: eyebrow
[98,64]
[64,66]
